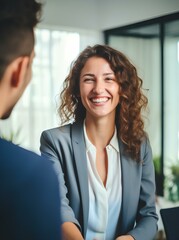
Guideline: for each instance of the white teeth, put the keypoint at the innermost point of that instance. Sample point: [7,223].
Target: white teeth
[99,100]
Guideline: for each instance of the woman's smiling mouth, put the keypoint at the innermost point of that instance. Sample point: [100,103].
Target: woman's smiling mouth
[99,100]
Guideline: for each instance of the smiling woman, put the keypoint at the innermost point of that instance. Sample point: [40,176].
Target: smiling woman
[103,159]
[99,90]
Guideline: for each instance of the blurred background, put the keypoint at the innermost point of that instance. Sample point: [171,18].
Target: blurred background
[147,32]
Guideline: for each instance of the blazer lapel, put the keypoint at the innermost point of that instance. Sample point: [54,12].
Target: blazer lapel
[81,166]
[131,179]
[126,172]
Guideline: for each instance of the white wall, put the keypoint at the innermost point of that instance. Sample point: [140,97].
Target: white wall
[104,14]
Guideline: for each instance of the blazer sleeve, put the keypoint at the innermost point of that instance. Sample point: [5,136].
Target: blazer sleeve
[146,219]
[51,148]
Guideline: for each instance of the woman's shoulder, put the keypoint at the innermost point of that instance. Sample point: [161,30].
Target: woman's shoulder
[145,140]
[63,134]
[65,129]
[146,146]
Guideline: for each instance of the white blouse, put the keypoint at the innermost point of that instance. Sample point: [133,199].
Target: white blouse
[104,202]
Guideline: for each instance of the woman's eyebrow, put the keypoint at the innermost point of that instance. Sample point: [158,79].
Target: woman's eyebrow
[92,75]
[88,74]
[111,73]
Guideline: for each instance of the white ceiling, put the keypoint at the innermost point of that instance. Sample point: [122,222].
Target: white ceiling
[104,14]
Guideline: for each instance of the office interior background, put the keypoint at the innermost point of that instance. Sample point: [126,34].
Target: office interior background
[146,31]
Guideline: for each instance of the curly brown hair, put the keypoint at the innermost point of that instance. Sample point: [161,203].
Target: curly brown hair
[129,122]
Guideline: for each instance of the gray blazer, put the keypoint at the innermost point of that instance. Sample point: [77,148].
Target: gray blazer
[65,146]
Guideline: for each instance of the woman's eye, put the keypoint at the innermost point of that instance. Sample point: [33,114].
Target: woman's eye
[88,80]
[110,79]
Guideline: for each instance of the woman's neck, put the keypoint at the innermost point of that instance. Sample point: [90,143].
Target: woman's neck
[100,131]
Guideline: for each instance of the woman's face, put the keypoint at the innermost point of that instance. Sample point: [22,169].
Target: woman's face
[99,90]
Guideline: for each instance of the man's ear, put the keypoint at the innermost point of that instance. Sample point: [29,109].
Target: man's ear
[19,69]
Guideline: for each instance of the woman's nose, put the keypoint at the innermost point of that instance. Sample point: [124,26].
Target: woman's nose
[98,87]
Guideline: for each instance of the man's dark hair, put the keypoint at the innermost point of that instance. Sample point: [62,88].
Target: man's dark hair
[17,21]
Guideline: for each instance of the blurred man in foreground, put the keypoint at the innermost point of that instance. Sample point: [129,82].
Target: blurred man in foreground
[29,197]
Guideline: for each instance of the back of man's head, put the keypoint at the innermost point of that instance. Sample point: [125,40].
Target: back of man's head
[17,21]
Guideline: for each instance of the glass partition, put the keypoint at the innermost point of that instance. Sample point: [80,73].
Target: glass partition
[171,109]
[153,47]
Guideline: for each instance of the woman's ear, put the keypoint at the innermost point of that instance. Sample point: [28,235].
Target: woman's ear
[19,68]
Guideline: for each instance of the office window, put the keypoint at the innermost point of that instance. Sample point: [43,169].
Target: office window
[36,110]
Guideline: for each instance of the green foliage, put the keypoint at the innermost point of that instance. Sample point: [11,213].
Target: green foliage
[175,171]
[157,164]
[173,182]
